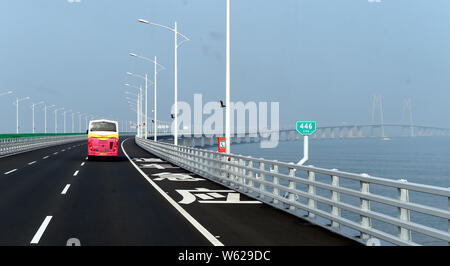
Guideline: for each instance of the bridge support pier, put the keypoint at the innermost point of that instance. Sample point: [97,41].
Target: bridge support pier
[360,132]
[350,132]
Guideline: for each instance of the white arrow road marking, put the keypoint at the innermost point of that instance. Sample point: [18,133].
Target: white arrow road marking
[41,230]
[176,177]
[209,196]
[148,160]
[216,195]
[157,166]
[204,196]
[153,165]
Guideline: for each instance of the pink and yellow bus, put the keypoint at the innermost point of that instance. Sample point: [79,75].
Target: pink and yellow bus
[103,138]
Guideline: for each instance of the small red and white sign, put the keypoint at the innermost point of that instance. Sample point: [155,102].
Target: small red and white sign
[222,144]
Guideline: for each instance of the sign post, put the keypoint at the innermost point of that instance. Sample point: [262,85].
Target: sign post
[305,128]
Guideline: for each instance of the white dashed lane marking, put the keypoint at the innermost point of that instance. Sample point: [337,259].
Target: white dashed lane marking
[9,172]
[82,163]
[41,230]
[33,162]
[76,173]
[65,189]
[45,157]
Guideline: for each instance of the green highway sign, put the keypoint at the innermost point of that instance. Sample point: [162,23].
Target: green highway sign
[306,128]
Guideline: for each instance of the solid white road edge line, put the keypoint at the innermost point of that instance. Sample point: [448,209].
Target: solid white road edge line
[41,230]
[185,214]
[65,189]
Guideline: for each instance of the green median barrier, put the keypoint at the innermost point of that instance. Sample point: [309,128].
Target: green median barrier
[30,135]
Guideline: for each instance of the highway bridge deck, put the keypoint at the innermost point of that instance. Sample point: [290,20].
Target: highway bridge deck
[51,195]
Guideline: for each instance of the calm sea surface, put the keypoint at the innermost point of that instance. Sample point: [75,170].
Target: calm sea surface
[424,160]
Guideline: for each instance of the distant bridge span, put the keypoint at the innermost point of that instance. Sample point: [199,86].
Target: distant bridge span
[348,131]
[370,130]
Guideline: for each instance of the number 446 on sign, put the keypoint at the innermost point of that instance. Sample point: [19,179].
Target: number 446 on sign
[306,128]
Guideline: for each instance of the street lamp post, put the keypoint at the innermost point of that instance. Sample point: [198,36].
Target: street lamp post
[45,116]
[156,64]
[133,107]
[139,106]
[145,77]
[32,107]
[227,74]
[65,112]
[73,125]
[176,45]
[79,122]
[56,118]
[17,112]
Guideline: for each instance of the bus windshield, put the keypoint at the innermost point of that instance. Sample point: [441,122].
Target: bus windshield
[103,126]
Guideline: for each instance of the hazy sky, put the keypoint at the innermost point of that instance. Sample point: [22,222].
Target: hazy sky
[321,59]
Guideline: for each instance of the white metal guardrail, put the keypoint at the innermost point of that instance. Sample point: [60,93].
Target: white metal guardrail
[15,145]
[294,189]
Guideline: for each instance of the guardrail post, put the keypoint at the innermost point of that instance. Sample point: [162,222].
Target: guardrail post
[201,160]
[227,176]
[404,214]
[183,156]
[291,186]
[312,191]
[222,166]
[242,173]
[196,160]
[212,164]
[276,181]
[262,187]
[365,206]
[336,198]
[191,158]
[231,169]
[250,174]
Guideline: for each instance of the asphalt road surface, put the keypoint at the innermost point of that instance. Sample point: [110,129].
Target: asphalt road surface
[56,195]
